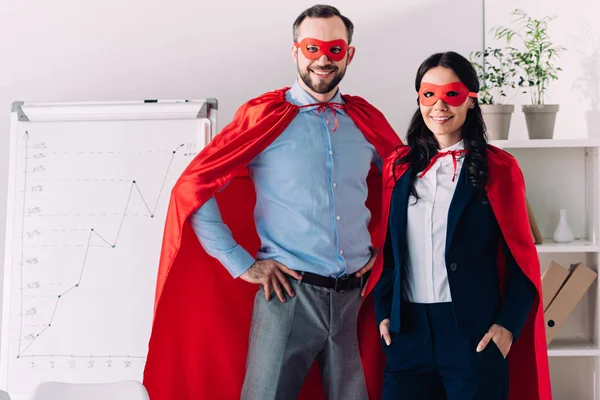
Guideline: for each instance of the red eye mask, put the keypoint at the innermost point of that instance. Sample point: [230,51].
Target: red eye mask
[313,49]
[454,94]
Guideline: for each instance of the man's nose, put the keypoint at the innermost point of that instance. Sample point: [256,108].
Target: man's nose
[324,60]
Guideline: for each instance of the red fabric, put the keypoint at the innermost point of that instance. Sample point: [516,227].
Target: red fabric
[201,325]
[323,48]
[324,106]
[453,153]
[460,90]
[528,360]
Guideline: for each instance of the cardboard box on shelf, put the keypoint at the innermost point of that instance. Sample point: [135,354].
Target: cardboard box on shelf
[553,279]
[535,230]
[578,282]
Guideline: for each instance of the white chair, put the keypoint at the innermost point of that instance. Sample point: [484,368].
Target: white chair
[125,390]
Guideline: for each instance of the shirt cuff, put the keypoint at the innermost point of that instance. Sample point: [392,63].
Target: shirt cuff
[237,261]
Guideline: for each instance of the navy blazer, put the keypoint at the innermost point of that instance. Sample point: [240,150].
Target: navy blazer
[473,239]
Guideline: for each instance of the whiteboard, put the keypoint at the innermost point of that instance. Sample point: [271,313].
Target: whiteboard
[88,192]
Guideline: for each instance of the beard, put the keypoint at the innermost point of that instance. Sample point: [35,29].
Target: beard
[321,86]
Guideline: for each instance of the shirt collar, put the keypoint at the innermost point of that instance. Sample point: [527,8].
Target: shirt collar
[448,159]
[456,146]
[299,96]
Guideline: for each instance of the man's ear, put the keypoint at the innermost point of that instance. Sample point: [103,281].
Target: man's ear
[351,50]
[294,53]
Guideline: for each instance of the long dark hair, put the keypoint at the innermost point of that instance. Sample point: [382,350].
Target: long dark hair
[422,142]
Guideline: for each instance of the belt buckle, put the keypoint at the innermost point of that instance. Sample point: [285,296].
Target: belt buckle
[338,282]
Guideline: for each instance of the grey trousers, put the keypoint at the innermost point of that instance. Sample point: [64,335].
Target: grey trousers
[286,338]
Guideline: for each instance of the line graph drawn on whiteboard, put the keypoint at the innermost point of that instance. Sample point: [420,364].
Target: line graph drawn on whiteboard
[88,204]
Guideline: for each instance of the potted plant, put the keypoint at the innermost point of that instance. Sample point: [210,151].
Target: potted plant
[536,62]
[496,73]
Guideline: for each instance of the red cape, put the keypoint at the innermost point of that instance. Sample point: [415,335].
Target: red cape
[528,360]
[201,325]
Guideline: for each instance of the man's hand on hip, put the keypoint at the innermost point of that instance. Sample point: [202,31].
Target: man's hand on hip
[270,274]
[368,266]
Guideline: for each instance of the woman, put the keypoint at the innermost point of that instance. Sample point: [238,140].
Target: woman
[461,281]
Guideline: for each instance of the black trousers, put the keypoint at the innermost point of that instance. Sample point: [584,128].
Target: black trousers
[431,360]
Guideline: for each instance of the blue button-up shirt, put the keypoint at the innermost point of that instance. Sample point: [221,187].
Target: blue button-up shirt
[310,197]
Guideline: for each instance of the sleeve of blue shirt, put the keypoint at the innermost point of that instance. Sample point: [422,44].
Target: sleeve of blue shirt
[217,240]
[378,162]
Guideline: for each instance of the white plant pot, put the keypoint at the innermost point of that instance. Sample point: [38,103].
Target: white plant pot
[497,120]
[540,120]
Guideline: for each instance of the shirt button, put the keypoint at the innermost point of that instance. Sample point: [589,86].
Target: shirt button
[334,184]
[338,217]
[453,267]
[341,251]
[330,152]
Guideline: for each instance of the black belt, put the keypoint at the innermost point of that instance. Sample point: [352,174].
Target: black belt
[341,284]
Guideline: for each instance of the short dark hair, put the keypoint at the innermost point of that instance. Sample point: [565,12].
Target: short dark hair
[322,11]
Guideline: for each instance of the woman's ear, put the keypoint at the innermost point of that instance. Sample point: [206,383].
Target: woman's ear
[472,104]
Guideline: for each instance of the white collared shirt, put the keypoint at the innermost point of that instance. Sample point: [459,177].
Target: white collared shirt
[426,277]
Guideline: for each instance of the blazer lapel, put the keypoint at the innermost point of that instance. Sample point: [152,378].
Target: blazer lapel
[398,214]
[462,194]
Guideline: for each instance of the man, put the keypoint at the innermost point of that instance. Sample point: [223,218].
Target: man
[312,159]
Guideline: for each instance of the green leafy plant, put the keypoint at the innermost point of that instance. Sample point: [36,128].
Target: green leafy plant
[537,60]
[496,74]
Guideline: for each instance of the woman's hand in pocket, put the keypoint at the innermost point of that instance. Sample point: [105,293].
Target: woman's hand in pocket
[501,336]
[384,331]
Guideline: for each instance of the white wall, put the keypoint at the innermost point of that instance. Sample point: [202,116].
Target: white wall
[576,28]
[72,50]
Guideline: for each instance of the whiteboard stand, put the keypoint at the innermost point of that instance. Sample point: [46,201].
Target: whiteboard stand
[88,190]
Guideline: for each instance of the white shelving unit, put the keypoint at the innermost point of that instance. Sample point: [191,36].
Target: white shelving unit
[566,174]
[572,348]
[545,143]
[577,246]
